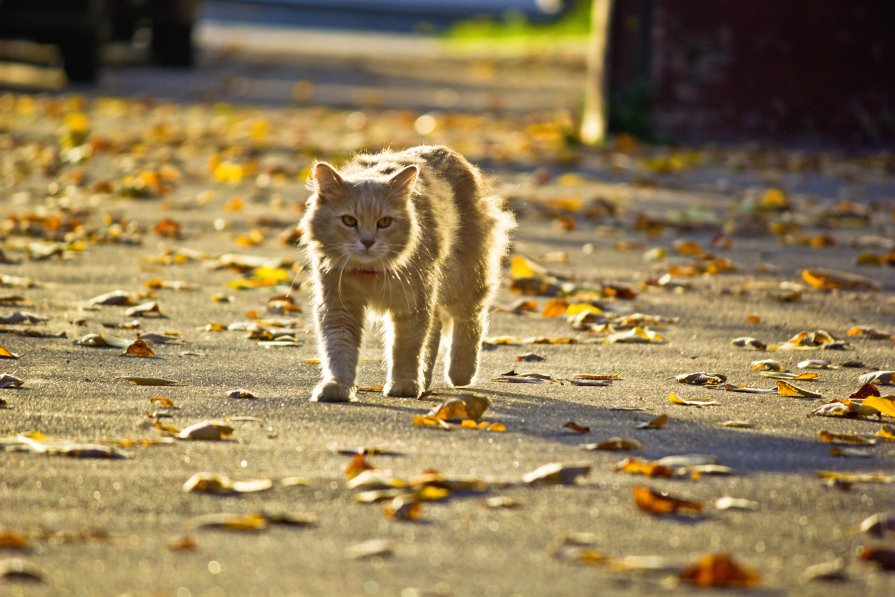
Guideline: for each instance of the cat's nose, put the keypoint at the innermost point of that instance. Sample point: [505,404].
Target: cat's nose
[367,242]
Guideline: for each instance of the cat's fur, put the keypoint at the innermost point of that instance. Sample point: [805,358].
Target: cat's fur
[433,265]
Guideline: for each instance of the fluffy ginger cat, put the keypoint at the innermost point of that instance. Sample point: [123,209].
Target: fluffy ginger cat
[412,235]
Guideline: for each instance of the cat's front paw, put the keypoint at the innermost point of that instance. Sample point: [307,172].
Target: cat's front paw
[408,388]
[333,391]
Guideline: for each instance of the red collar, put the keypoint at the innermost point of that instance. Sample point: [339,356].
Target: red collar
[366,272]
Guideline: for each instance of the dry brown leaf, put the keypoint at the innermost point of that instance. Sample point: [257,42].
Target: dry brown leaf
[615,444]
[787,389]
[555,308]
[183,543]
[883,557]
[241,394]
[767,365]
[657,422]
[139,348]
[572,425]
[404,508]
[656,503]
[464,406]
[865,391]
[10,539]
[357,465]
[701,378]
[150,309]
[719,570]
[10,381]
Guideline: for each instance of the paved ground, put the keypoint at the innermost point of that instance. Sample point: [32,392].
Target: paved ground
[231,178]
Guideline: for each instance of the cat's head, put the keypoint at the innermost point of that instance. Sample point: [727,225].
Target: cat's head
[365,222]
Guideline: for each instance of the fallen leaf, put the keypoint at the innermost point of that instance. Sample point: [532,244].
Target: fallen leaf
[675,399]
[374,548]
[719,570]
[635,466]
[555,308]
[357,465]
[787,389]
[497,502]
[814,364]
[882,404]
[10,539]
[882,378]
[530,357]
[139,348]
[843,438]
[556,473]
[873,477]
[222,485]
[162,402]
[464,406]
[150,381]
[10,381]
[865,391]
[5,354]
[738,424]
[230,522]
[241,394]
[882,556]
[656,423]
[879,524]
[615,444]
[830,279]
[656,503]
[749,342]
[102,340]
[731,503]
[403,508]
[20,317]
[17,569]
[576,427]
[637,335]
[206,431]
[846,452]
[116,297]
[886,433]
[767,365]
[871,333]
[183,543]
[150,309]
[825,571]
[701,378]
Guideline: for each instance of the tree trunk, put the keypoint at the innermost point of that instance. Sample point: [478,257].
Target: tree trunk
[596,101]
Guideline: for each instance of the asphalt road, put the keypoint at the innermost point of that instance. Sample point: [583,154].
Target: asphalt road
[102,527]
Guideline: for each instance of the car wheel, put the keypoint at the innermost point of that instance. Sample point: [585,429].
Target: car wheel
[172,43]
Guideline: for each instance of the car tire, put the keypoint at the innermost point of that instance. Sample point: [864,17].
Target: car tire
[172,44]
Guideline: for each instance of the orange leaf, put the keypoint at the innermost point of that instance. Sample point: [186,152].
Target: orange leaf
[356,466]
[654,502]
[719,571]
[636,466]
[576,427]
[139,348]
[555,308]
[787,389]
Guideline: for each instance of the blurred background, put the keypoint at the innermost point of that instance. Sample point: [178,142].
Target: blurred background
[662,70]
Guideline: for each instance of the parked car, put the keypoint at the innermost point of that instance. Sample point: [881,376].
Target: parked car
[80,28]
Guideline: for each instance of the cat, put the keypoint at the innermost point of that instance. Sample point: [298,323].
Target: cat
[416,236]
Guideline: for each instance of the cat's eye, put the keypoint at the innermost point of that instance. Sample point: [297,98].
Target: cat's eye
[384,222]
[349,221]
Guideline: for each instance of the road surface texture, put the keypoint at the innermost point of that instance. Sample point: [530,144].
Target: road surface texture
[183,189]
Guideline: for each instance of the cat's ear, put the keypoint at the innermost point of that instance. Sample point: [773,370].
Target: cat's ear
[326,179]
[401,184]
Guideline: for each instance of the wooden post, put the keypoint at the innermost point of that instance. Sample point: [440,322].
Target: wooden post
[596,100]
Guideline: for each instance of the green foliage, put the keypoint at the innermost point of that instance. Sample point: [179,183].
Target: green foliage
[574,24]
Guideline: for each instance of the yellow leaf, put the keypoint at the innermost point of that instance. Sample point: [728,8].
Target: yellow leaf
[884,404]
[675,399]
[886,433]
[787,389]
[520,267]
[578,308]
[498,427]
